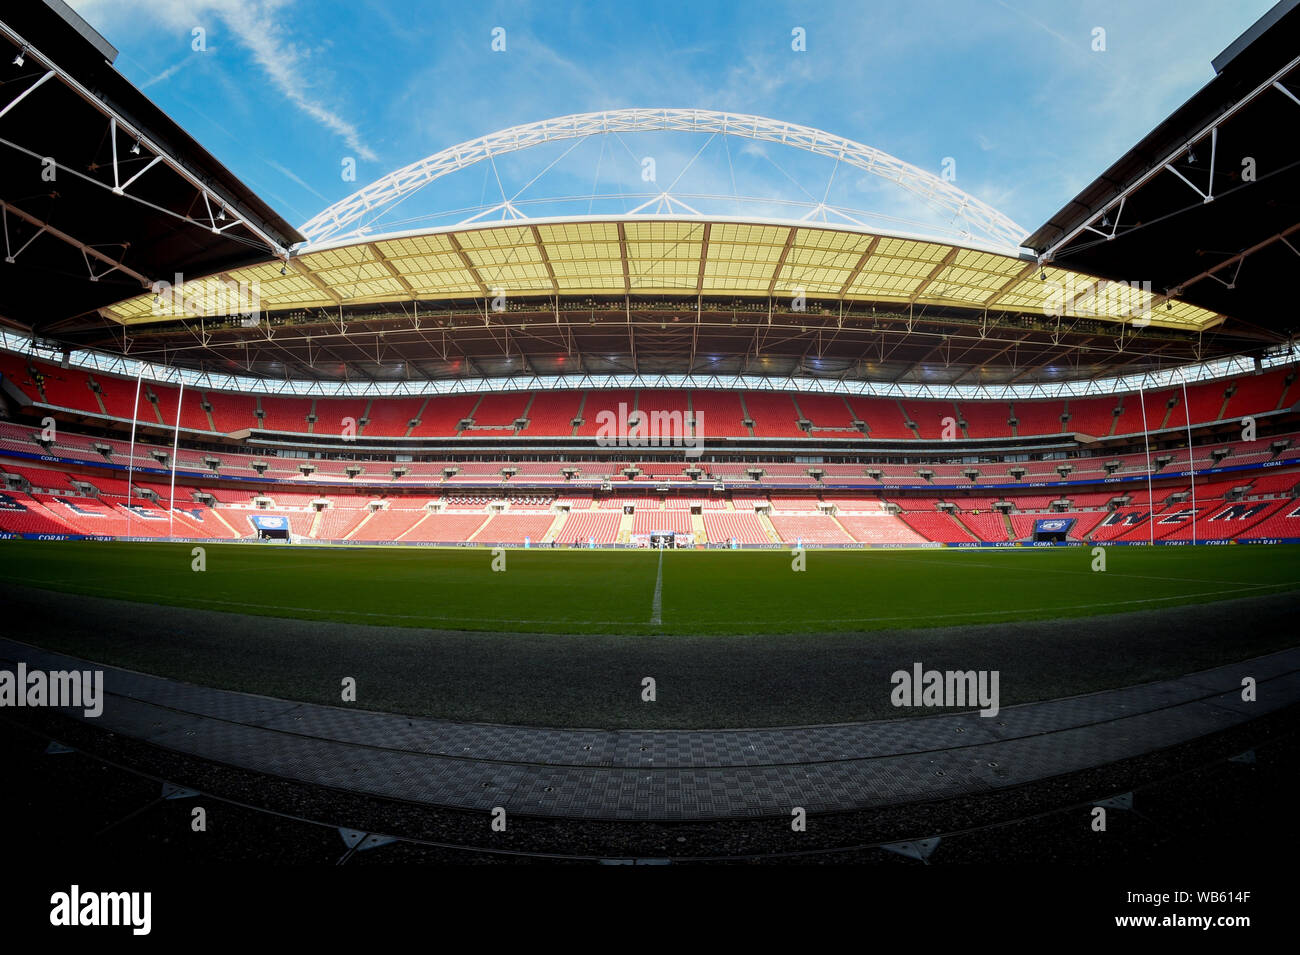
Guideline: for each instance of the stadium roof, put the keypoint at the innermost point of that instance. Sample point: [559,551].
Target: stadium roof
[100,191]
[673,292]
[681,292]
[660,255]
[1207,205]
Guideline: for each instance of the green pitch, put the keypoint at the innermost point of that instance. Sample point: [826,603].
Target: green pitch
[742,638]
[634,592]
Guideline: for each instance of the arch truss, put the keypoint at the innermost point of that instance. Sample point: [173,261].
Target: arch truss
[348,218]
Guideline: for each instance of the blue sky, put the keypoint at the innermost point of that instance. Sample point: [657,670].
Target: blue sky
[1010,89]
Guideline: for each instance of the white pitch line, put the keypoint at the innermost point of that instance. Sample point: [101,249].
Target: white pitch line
[657,605]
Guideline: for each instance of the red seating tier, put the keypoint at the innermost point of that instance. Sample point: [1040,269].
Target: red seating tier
[581,526]
[442,415]
[606,410]
[649,520]
[986,526]
[937,526]
[500,410]
[882,529]
[232,411]
[809,528]
[723,526]
[773,414]
[1259,393]
[391,417]
[552,412]
[285,413]
[883,417]
[986,419]
[1094,416]
[511,528]
[718,414]
[1039,417]
[825,411]
[929,417]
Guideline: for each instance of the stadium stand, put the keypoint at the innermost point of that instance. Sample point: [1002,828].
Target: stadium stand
[1258,394]
[986,527]
[1124,522]
[928,417]
[878,529]
[581,526]
[938,526]
[443,414]
[332,413]
[986,419]
[647,521]
[827,413]
[1281,523]
[23,514]
[230,411]
[773,414]
[810,529]
[551,413]
[285,414]
[391,524]
[1038,417]
[598,402]
[501,411]
[392,417]
[85,498]
[509,528]
[1093,416]
[725,526]
[720,413]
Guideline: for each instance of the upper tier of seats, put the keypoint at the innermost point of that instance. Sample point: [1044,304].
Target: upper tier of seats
[722,414]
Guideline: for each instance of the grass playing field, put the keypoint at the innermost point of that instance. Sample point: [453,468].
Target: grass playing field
[641,592]
[565,638]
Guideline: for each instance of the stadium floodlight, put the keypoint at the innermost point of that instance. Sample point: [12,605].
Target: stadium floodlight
[135,148]
[19,60]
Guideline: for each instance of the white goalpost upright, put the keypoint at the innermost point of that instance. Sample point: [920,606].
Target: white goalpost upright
[1191,458]
[130,461]
[1146,442]
[176,439]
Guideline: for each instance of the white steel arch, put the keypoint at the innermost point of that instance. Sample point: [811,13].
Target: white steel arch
[337,221]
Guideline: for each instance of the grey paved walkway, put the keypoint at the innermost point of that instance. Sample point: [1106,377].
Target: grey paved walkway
[675,774]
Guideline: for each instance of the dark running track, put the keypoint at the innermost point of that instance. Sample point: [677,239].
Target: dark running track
[595,681]
[676,774]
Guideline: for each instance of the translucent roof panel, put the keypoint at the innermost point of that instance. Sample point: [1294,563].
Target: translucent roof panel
[657,255]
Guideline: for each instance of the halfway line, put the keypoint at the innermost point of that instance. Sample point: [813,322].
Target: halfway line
[657,605]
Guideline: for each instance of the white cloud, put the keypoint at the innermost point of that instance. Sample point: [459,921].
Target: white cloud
[1040,24]
[166,74]
[259,26]
[290,174]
